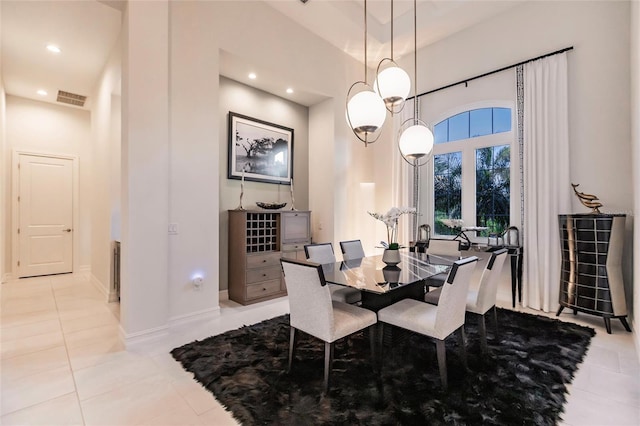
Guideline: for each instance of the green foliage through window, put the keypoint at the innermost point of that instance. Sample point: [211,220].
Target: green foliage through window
[447,182]
[493,188]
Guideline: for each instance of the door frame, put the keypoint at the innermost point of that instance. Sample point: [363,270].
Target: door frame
[15,216]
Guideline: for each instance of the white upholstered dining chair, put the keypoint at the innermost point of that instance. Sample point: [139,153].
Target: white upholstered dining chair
[323,253]
[312,311]
[481,299]
[437,321]
[441,247]
[351,249]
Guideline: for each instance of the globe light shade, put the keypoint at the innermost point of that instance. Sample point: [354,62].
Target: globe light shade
[393,84]
[366,112]
[416,142]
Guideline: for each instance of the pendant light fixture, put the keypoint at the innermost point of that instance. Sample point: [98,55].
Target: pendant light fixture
[392,83]
[365,110]
[415,139]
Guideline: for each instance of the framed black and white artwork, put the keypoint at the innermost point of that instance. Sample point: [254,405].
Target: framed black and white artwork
[259,151]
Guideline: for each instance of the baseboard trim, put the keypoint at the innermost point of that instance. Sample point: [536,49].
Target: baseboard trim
[98,285]
[132,339]
[203,315]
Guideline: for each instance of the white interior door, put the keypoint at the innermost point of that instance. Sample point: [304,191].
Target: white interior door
[45,212]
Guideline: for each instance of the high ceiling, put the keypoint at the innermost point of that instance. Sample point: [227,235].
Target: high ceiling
[86,31]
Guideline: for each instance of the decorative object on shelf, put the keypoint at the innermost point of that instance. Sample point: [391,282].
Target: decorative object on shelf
[456,224]
[391,256]
[293,200]
[270,206]
[415,139]
[588,200]
[392,83]
[365,110]
[263,150]
[240,207]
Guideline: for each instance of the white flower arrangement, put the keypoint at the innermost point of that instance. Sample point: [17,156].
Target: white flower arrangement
[390,219]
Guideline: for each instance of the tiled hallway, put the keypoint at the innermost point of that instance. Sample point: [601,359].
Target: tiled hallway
[63,364]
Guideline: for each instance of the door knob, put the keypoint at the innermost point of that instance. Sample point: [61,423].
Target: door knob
[66,230]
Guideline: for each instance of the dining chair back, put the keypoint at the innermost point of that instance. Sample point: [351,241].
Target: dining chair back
[320,253]
[444,247]
[439,321]
[484,298]
[323,253]
[351,249]
[441,247]
[453,300]
[314,312]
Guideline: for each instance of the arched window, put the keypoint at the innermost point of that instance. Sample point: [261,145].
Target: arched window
[472,170]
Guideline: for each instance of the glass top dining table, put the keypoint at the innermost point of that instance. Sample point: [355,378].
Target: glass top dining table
[370,274]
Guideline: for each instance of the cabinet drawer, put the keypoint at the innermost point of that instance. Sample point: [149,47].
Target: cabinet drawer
[264,274]
[262,260]
[294,247]
[263,289]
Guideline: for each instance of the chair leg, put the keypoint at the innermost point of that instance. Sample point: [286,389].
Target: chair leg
[372,342]
[495,322]
[328,361]
[442,362]
[463,348]
[292,343]
[483,334]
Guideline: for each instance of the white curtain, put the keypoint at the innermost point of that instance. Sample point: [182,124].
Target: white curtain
[547,190]
[402,175]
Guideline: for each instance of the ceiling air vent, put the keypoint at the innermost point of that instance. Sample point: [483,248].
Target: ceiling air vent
[71,98]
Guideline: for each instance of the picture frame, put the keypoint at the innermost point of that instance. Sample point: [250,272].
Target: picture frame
[259,151]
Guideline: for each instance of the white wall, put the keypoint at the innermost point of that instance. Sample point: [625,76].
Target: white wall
[635,140]
[599,76]
[104,181]
[145,169]
[194,172]
[242,99]
[51,129]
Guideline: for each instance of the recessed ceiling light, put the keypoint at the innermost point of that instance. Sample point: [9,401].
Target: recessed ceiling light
[252,76]
[53,48]
[289,90]
[42,92]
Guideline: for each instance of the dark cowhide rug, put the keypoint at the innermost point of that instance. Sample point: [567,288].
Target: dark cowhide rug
[520,381]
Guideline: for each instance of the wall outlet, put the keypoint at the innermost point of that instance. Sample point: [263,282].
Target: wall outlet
[197,282]
[173,229]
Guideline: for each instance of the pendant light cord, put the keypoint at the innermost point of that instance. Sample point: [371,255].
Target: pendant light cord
[392,30]
[365,41]
[415,62]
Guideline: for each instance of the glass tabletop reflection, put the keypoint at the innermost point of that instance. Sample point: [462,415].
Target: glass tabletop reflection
[372,275]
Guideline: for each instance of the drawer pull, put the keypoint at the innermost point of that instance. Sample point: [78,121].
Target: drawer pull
[264,260]
[264,275]
[264,289]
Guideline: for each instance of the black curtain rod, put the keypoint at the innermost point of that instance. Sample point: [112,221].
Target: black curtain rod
[465,81]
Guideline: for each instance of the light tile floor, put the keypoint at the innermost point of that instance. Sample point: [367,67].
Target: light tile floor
[63,364]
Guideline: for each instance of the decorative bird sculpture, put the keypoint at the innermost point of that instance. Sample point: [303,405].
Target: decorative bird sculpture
[587,200]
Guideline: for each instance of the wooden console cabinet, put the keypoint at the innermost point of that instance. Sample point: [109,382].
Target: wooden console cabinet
[257,240]
[591,271]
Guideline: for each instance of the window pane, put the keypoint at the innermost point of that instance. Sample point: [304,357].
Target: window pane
[501,120]
[493,188]
[459,126]
[440,132]
[480,122]
[447,190]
